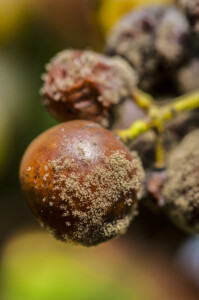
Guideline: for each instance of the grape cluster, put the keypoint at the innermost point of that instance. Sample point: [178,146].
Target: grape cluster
[153,40]
[82,183]
[158,42]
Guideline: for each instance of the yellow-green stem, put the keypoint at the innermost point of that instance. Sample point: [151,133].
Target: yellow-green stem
[143,100]
[159,115]
[159,151]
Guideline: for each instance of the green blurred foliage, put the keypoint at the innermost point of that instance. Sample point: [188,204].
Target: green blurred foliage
[36,268]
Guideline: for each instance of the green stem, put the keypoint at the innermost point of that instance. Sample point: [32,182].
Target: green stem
[159,115]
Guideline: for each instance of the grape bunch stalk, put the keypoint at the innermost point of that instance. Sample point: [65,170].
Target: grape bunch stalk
[85,178]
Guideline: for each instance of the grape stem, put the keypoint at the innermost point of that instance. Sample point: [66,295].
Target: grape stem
[157,116]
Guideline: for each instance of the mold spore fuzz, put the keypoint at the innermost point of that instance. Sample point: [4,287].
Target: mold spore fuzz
[90,182]
[154,40]
[181,190]
[86,85]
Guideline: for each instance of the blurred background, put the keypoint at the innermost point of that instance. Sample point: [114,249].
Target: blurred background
[153,260]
